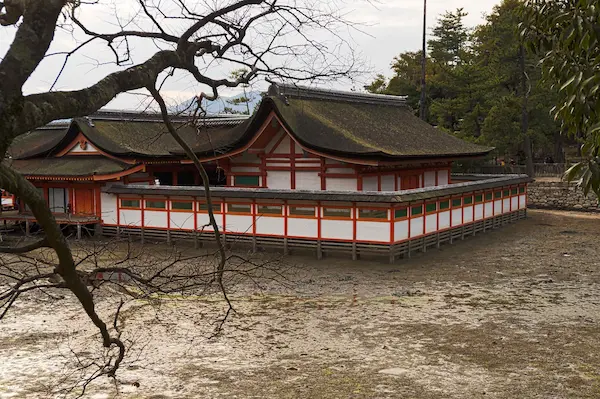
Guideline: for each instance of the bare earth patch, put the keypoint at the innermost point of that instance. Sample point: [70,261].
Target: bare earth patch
[510,314]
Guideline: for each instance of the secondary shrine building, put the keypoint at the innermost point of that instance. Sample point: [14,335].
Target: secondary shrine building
[319,169]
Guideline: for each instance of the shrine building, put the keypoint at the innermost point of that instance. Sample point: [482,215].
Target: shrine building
[315,169]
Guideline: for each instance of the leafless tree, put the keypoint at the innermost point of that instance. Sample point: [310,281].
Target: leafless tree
[274,38]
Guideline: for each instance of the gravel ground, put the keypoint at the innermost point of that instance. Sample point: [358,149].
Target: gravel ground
[513,313]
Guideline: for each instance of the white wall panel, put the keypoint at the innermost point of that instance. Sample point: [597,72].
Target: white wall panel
[130,217]
[431,223]
[429,178]
[108,208]
[456,217]
[155,219]
[204,222]
[522,201]
[270,225]
[401,230]
[468,214]
[442,177]
[284,146]
[239,224]
[370,183]
[444,220]
[337,229]
[515,203]
[308,180]
[489,209]
[76,149]
[387,183]
[506,202]
[373,231]
[497,207]
[341,184]
[416,227]
[303,227]
[182,220]
[278,179]
[478,211]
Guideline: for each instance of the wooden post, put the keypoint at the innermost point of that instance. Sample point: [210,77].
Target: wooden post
[168,236]
[409,248]
[354,251]
[392,256]
[254,247]
[319,251]
[79,231]
[26,227]
[142,235]
[286,250]
[437,244]
[196,239]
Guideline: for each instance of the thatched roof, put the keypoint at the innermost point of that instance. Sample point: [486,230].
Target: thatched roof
[357,126]
[69,166]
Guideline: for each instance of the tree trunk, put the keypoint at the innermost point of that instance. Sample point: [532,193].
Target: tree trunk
[525,114]
[423,65]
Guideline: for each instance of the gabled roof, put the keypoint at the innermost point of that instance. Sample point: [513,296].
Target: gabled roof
[353,125]
[95,167]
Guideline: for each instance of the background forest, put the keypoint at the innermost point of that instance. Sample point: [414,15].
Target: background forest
[474,87]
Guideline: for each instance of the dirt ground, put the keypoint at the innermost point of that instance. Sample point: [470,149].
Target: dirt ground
[513,313]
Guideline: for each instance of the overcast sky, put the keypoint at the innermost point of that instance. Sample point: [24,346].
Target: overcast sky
[391,27]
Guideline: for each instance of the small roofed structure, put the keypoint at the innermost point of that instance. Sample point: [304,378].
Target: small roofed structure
[299,140]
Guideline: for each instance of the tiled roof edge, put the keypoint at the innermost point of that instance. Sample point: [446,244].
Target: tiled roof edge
[294,91]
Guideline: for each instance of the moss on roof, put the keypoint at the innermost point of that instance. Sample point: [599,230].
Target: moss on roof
[368,130]
[69,166]
[338,125]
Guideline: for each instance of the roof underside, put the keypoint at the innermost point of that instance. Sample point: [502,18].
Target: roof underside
[335,123]
[69,166]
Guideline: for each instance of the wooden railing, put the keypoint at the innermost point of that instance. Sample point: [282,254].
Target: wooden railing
[540,169]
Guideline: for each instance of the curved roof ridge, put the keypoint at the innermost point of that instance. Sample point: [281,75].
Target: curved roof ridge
[314,93]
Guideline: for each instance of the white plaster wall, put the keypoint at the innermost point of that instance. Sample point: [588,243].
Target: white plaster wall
[456,217]
[373,231]
[108,208]
[370,183]
[270,225]
[497,207]
[522,201]
[444,220]
[429,178]
[283,147]
[155,219]
[430,223]
[242,169]
[77,149]
[401,230]
[203,220]
[442,177]
[239,224]
[515,203]
[341,184]
[478,211]
[416,227]
[182,220]
[387,183]
[303,227]
[468,214]
[489,209]
[506,202]
[307,180]
[129,217]
[269,147]
[340,229]
[340,170]
[278,179]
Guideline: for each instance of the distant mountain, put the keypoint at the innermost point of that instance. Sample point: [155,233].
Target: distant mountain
[227,105]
